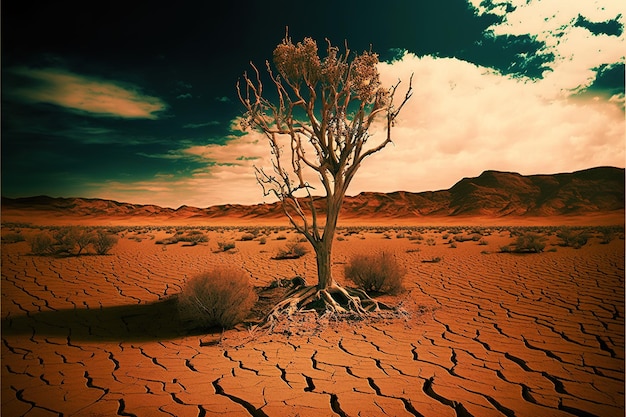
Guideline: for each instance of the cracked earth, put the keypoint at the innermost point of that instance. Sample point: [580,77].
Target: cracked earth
[486,334]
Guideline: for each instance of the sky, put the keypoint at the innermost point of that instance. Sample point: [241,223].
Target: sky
[137,103]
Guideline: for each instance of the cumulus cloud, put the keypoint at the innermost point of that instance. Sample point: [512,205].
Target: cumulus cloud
[227,177]
[578,51]
[464,119]
[85,94]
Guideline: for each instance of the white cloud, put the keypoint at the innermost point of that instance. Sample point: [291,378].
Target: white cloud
[462,119]
[86,94]
[577,51]
[227,177]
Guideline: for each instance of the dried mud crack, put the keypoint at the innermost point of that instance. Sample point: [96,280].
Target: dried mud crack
[484,335]
[254,412]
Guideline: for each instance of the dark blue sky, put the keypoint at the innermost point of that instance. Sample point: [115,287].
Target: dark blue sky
[109,94]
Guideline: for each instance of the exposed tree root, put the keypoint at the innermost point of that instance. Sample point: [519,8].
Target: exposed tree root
[336,300]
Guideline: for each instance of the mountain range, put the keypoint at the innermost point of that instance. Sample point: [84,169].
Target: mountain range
[493,194]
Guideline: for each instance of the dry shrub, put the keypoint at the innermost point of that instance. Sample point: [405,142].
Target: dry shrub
[222,297]
[573,238]
[225,246]
[293,250]
[41,243]
[13,237]
[376,273]
[530,242]
[103,242]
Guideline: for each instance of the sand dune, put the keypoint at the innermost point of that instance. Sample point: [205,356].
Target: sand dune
[486,334]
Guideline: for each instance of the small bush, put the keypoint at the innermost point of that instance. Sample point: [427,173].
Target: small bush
[530,242]
[193,237]
[167,241]
[41,243]
[65,239]
[103,242]
[574,239]
[222,297]
[293,250]
[607,235]
[13,237]
[378,273]
[225,246]
[82,238]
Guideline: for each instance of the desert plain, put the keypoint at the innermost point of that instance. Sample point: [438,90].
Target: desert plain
[482,332]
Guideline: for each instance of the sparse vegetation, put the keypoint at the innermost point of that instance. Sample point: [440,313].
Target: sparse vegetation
[225,246]
[292,250]
[103,242]
[474,237]
[191,237]
[222,297]
[573,238]
[379,273]
[13,237]
[609,233]
[72,241]
[41,243]
[528,242]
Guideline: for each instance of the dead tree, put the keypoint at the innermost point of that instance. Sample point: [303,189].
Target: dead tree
[317,119]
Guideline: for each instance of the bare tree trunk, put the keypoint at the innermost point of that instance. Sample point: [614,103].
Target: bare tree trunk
[323,255]
[323,250]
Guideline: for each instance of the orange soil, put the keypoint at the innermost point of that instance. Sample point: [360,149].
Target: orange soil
[487,334]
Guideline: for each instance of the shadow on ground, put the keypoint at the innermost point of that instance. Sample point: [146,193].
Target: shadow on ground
[125,323]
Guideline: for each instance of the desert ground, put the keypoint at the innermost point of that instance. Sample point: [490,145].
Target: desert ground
[483,333]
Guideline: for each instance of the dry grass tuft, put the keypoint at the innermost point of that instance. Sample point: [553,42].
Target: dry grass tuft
[292,250]
[223,297]
[379,273]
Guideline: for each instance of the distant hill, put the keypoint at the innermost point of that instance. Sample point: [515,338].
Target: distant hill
[497,194]
[492,194]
